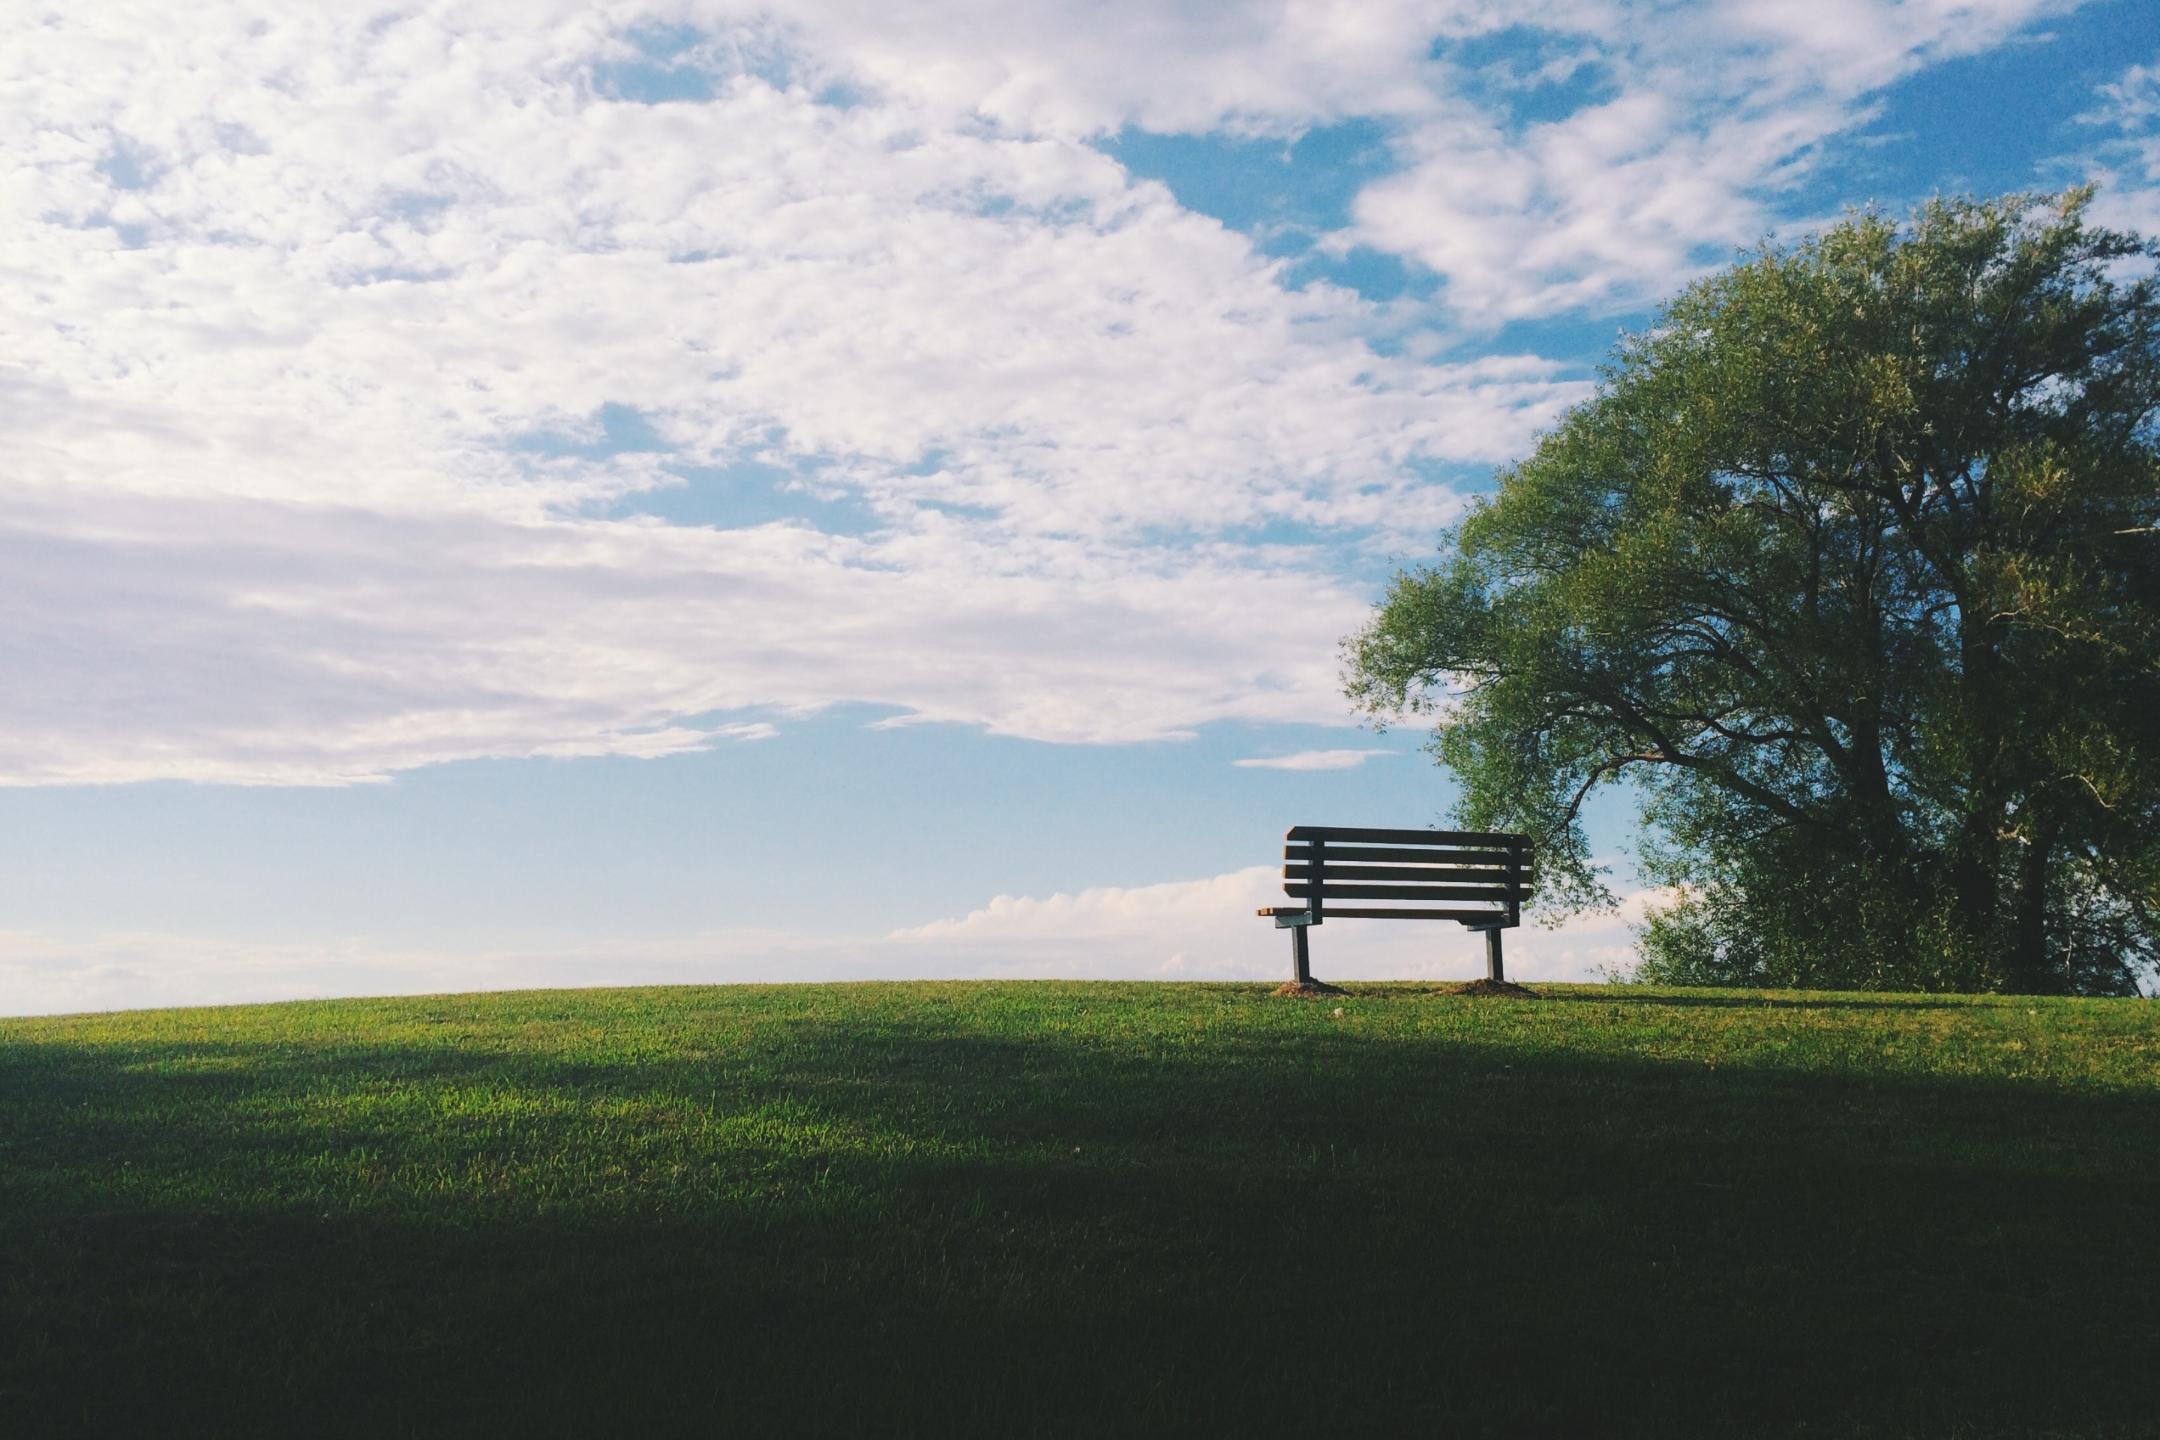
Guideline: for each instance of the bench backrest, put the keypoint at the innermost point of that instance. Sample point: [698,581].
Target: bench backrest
[1478,878]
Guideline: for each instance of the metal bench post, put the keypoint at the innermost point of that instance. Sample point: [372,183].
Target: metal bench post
[1300,946]
[1494,970]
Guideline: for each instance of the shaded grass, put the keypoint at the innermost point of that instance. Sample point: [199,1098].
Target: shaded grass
[1072,1209]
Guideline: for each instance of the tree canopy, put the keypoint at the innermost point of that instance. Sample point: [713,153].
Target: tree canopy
[1849,572]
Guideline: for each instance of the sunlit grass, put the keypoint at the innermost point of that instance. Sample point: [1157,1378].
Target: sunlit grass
[1017,1208]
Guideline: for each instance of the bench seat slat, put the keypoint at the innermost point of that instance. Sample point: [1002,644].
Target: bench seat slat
[1467,875]
[1435,856]
[1464,917]
[1331,892]
[1354,836]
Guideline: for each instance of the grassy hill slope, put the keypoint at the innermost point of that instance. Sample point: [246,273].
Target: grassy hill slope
[1085,1209]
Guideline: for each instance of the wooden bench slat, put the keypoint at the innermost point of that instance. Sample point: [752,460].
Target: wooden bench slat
[1355,836]
[1462,875]
[1433,856]
[1332,892]
[1464,917]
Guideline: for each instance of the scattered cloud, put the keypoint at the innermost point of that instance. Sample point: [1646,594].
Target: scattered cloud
[2131,101]
[294,292]
[317,315]
[1312,760]
[2126,160]
[1710,113]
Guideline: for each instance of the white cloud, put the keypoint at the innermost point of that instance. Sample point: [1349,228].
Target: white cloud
[2130,101]
[1711,111]
[653,744]
[2126,163]
[1311,760]
[276,373]
[1605,209]
[242,641]
[291,292]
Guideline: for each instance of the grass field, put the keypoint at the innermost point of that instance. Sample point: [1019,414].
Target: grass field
[1084,1209]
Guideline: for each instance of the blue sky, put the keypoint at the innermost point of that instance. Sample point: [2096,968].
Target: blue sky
[506,494]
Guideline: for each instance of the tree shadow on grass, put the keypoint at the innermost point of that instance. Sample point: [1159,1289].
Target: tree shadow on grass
[909,1226]
[1619,996]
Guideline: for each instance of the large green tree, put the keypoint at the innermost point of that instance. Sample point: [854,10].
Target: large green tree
[1849,573]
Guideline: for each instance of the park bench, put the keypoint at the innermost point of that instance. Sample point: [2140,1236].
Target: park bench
[1478,879]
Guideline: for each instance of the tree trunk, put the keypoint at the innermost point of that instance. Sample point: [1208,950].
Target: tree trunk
[1973,870]
[1976,862]
[2032,972]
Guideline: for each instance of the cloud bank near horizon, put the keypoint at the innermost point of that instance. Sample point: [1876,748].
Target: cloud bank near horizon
[1181,930]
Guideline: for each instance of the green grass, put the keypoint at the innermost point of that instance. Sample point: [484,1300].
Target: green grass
[1084,1209]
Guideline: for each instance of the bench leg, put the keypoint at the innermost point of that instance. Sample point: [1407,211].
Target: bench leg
[1493,968]
[1300,955]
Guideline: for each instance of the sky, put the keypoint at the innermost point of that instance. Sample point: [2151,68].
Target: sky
[528,493]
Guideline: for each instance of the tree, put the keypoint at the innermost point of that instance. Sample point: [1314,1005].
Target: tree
[1849,571]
